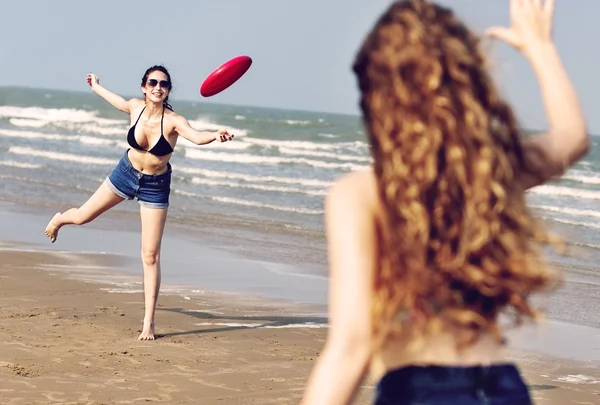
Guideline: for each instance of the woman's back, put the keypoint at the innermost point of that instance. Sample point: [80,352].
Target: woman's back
[440,348]
[428,248]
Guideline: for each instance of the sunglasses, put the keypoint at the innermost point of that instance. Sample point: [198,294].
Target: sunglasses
[164,84]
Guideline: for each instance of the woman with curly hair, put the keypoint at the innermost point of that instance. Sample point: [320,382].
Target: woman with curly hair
[432,244]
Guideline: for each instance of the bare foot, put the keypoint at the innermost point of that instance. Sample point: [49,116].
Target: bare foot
[147,332]
[52,228]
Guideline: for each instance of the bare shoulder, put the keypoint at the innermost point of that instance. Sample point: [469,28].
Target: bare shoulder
[136,103]
[357,189]
[173,116]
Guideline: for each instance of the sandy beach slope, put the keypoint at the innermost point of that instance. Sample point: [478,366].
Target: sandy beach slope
[65,341]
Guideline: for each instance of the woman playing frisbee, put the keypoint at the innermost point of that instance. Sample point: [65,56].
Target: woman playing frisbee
[143,173]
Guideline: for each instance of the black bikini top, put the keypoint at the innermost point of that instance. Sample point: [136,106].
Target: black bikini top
[162,147]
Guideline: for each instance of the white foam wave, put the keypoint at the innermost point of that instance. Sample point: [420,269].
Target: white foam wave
[266,160]
[205,125]
[357,145]
[21,165]
[215,145]
[90,140]
[240,117]
[579,379]
[574,223]
[99,130]
[231,184]
[297,122]
[55,114]
[566,192]
[303,152]
[251,178]
[582,178]
[60,156]
[247,203]
[569,211]
[36,135]
[329,135]
[19,122]
[257,204]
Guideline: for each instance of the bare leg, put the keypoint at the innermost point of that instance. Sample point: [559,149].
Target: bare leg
[102,200]
[153,225]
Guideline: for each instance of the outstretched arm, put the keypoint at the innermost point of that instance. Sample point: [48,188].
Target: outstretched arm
[567,140]
[117,101]
[351,241]
[183,128]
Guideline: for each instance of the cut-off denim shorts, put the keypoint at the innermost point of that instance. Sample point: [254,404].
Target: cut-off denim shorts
[150,190]
[440,385]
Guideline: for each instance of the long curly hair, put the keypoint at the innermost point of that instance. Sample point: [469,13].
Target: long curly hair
[459,244]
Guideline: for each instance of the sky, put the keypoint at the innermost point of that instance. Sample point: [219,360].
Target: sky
[302,50]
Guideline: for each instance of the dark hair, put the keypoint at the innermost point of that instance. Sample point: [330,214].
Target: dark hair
[159,68]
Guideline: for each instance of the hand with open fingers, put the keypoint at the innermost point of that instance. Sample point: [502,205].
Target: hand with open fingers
[92,79]
[530,25]
[223,136]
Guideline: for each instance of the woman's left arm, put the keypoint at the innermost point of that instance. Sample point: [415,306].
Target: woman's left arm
[351,240]
[183,128]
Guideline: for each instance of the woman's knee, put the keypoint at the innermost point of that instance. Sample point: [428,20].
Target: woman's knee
[150,257]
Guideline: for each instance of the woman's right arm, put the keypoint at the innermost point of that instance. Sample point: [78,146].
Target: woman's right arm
[117,101]
[567,140]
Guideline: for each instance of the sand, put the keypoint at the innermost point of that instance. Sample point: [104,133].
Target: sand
[68,341]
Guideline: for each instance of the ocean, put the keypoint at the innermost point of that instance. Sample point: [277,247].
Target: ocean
[260,196]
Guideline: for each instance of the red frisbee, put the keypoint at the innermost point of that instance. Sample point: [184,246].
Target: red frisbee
[225,75]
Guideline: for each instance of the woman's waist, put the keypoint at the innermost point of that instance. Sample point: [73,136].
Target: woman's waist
[441,350]
[146,163]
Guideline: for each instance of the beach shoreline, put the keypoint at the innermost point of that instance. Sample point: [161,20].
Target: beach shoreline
[66,340]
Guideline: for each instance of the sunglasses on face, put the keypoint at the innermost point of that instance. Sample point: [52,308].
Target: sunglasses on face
[164,84]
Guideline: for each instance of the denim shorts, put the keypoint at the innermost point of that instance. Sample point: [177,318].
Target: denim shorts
[150,190]
[440,385]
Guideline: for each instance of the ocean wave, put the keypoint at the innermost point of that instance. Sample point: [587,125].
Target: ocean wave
[568,211]
[60,156]
[248,203]
[253,186]
[98,130]
[22,165]
[330,155]
[36,135]
[573,223]
[559,191]
[88,140]
[215,145]
[258,179]
[297,122]
[258,204]
[56,115]
[205,125]
[266,160]
[580,177]
[21,122]
[356,145]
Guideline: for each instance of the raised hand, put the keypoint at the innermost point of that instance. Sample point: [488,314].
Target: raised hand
[92,79]
[530,25]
